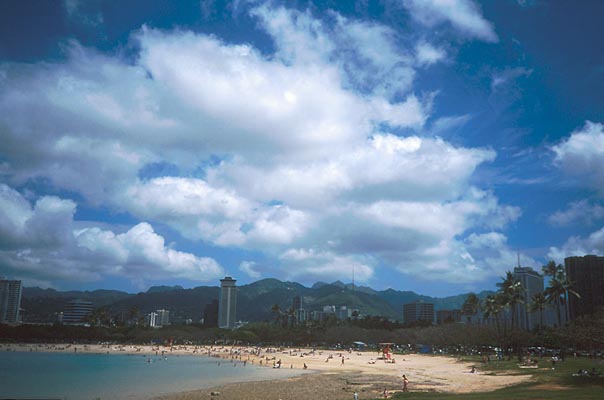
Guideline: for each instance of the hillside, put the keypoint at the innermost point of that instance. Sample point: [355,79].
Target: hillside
[254,302]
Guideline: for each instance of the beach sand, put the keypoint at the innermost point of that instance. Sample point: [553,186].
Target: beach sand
[328,376]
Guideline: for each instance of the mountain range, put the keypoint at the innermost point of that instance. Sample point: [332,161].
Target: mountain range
[254,301]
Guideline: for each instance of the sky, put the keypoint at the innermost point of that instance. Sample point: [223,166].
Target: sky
[421,145]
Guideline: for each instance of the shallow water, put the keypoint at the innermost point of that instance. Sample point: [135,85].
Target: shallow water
[118,376]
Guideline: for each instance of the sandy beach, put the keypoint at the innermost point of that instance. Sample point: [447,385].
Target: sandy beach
[331,374]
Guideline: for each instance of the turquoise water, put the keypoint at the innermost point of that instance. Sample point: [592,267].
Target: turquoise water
[93,376]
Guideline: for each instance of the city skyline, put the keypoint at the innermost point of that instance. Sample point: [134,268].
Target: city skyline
[419,145]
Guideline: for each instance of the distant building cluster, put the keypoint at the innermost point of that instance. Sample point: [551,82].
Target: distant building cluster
[10,301]
[159,318]
[585,275]
[332,312]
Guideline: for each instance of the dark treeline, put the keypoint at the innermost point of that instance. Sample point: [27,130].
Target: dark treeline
[585,333]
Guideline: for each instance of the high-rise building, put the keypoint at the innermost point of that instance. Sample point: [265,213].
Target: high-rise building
[344,312]
[532,283]
[163,317]
[297,302]
[301,315]
[586,274]
[152,319]
[227,307]
[76,311]
[448,316]
[329,309]
[210,314]
[418,311]
[10,301]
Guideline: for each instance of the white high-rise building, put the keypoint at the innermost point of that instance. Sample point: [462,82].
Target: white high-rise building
[163,317]
[227,306]
[532,283]
[152,319]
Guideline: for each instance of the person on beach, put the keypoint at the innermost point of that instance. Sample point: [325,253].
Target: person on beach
[356,396]
[405,383]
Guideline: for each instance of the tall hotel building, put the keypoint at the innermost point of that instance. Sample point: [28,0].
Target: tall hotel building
[227,307]
[76,311]
[586,274]
[418,311]
[532,283]
[10,301]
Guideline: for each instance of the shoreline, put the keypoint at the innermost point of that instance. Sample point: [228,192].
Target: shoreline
[330,374]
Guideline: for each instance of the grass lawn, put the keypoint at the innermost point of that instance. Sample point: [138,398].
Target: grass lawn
[546,383]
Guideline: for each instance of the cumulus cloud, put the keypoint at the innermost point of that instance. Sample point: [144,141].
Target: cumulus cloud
[142,254]
[320,264]
[464,15]
[581,156]
[579,246]
[217,215]
[43,243]
[290,150]
[367,54]
[578,212]
[247,267]
[426,54]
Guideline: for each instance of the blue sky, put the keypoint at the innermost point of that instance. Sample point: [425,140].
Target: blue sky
[424,144]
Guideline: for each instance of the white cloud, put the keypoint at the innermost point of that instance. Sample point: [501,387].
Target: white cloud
[445,124]
[314,264]
[42,243]
[581,156]
[368,55]
[426,54]
[464,15]
[142,254]
[578,212]
[85,13]
[579,246]
[299,143]
[218,215]
[384,165]
[501,78]
[247,267]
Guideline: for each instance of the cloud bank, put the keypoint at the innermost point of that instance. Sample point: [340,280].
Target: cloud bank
[315,155]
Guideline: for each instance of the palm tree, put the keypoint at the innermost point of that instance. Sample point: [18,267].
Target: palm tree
[554,294]
[133,315]
[276,310]
[559,288]
[567,285]
[492,308]
[291,316]
[512,294]
[551,269]
[471,305]
[539,303]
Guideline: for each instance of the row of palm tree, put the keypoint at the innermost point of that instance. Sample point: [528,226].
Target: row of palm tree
[560,287]
[511,294]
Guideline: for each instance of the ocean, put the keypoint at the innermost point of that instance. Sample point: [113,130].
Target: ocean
[69,376]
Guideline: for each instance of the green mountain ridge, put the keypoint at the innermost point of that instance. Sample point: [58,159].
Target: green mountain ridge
[254,301]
